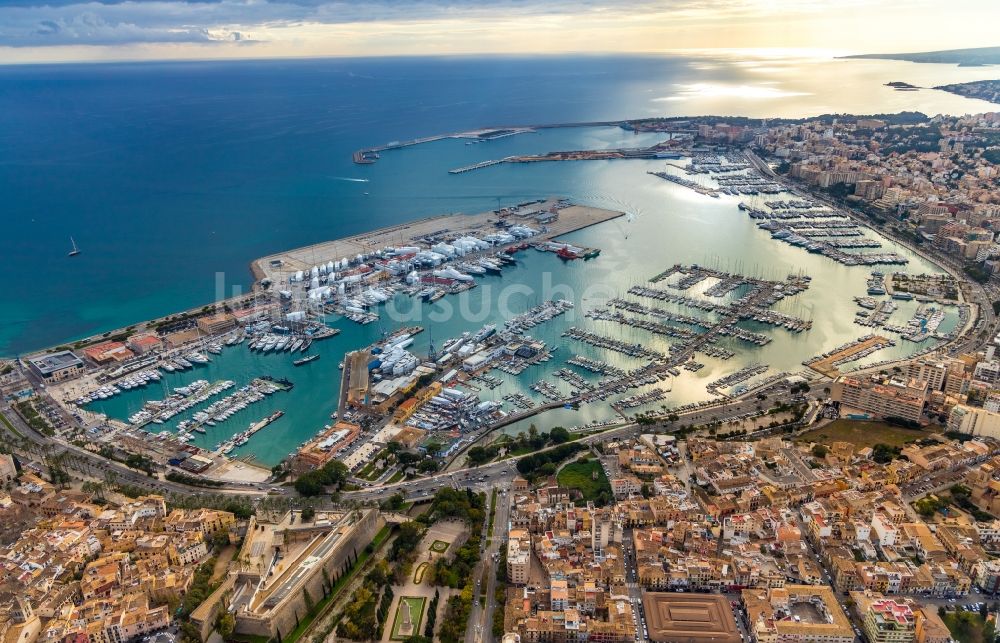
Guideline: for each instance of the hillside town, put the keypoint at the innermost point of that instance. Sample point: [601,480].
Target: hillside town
[82,569]
[851,501]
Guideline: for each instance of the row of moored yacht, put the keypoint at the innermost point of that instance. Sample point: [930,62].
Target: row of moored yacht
[269,342]
[135,380]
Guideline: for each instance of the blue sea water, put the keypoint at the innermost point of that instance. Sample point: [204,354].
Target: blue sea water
[172,177]
[170,174]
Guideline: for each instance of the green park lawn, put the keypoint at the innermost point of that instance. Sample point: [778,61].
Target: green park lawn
[580,476]
[416,616]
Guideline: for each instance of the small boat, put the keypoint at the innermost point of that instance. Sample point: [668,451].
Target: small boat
[75,251]
[305,360]
[340,366]
[566,254]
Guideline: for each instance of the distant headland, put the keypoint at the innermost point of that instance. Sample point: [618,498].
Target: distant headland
[961,57]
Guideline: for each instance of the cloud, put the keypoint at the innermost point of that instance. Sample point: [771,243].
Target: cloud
[106,29]
[93,29]
[71,22]
[39,23]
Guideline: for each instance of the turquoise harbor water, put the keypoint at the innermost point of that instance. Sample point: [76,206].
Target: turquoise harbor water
[667,224]
[172,177]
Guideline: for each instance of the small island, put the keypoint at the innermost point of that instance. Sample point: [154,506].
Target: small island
[901,86]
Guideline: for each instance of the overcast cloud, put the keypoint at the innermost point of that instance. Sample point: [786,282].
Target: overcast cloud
[24,23]
[36,30]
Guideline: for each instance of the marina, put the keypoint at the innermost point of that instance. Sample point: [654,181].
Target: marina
[519,400]
[537,315]
[735,378]
[182,399]
[594,366]
[127,383]
[614,345]
[834,249]
[242,438]
[548,391]
[751,306]
[877,315]
[645,324]
[221,410]
[578,382]
[640,399]
[687,183]
[741,319]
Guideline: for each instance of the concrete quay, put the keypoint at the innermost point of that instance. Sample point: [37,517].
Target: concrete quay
[279,266]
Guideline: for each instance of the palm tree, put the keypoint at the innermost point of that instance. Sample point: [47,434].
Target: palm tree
[94,488]
[57,470]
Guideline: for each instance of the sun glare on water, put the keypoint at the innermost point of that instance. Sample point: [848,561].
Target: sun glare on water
[718,90]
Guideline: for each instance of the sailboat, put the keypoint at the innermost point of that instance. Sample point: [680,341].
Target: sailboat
[75,251]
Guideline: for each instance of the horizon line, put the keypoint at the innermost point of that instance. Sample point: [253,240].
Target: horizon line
[763,52]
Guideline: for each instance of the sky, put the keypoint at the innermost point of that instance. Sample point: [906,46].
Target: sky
[96,30]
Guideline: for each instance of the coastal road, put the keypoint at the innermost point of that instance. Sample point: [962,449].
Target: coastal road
[486,477]
[718,409]
[92,465]
[489,475]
